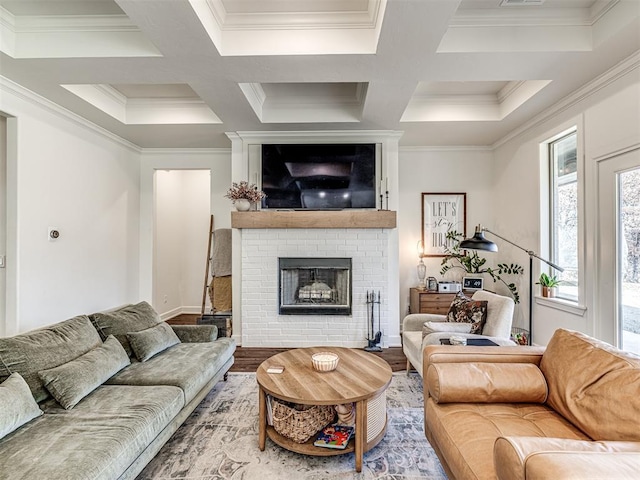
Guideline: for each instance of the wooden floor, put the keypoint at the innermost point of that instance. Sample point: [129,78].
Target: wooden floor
[247,359]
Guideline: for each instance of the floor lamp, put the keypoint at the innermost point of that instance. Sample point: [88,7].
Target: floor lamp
[479,242]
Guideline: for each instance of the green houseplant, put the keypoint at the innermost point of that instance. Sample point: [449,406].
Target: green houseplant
[548,283]
[471,262]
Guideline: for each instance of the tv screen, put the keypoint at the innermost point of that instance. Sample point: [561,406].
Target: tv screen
[319,177]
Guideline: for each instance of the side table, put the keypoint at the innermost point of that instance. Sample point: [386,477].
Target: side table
[361,378]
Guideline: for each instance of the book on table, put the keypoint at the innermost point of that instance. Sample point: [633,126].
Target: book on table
[334,436]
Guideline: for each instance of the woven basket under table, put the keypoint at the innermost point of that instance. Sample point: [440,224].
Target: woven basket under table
[301,422]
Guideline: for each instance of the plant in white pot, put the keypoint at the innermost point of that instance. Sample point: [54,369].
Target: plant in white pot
[549,284]
[243,195]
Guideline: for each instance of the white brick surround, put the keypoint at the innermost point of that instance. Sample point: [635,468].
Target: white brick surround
[262,326]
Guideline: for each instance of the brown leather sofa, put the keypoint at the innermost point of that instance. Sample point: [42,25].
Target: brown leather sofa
[570,410]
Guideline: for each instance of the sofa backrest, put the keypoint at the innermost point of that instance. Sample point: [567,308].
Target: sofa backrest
[593,385]
[48,347]
[499,314]
[122,320]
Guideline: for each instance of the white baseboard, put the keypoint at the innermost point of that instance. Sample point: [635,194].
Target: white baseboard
[179,311]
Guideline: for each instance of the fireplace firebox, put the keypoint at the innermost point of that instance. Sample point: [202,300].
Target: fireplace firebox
[314,286]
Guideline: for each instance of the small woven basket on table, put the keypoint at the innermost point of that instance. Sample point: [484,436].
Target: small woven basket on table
[300,422]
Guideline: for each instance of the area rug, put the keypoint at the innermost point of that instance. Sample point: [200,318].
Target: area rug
[220,441]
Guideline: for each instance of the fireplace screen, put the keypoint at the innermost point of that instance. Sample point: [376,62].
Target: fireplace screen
[315,286]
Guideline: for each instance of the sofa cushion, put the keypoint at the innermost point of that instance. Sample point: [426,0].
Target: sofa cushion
[466,310]
[464,433]
[186,365]
[45,348]
[594,385]
[123,320]
[147,343]
[98,439]
[513,455]
[17,405]
[71,382]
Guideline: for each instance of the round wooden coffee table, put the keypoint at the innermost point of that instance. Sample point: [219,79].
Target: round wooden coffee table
[361,378]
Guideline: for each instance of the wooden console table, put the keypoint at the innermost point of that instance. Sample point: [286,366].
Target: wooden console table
[422,301]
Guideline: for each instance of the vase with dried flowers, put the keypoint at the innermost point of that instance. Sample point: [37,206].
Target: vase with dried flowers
[243,195]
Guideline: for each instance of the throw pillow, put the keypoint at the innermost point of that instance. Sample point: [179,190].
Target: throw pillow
[119,322]
[47,347]
[433,327]
[466,310]
[71,382]
[149,342]
[17,405]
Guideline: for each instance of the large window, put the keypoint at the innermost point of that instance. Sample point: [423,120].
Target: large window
[563,226]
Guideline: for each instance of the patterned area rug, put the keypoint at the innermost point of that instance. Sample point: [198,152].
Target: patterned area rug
[220,441]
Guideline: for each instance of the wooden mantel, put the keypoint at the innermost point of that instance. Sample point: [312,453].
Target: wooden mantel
[315,219]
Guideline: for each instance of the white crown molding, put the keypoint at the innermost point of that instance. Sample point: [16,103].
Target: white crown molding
[623,68]
[320,136]
[33,98]
[185,151]
[295,20]
[73,23]
[509,17]
[446,148]
[112,93]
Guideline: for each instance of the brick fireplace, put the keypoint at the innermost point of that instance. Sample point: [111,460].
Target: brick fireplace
[264,326]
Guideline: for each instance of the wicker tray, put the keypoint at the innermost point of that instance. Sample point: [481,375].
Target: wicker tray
[300,422]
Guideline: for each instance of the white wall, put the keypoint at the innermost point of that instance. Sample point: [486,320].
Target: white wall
[182,209]
[64,174]
[433,170]
[607,113]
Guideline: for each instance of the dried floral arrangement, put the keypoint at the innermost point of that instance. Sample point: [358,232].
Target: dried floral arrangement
[245,190]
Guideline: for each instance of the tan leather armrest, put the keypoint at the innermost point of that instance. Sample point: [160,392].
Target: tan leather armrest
[433,354]
[592,466]
[486,383]
[513,457]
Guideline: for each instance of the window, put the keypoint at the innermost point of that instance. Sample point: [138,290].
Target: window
[563,217]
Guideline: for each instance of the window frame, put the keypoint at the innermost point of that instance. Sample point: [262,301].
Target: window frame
[575,306]
[555,182]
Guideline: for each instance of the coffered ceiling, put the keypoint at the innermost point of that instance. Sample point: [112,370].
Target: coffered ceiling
[180,73]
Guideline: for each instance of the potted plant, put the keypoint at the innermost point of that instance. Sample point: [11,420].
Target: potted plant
[244,194]
[549,284]
[471,262]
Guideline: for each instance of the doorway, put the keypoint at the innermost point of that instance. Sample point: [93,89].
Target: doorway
[182,200]
[619,249]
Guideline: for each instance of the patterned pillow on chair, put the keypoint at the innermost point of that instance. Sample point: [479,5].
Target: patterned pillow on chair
[466,310]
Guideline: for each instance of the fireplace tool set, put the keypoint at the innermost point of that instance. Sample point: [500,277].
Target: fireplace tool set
[373,336]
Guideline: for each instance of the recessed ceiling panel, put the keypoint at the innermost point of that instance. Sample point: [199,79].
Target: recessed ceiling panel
[288,27]
[519,26]
[306,102]
[70,29]
[469,101]
[136,104]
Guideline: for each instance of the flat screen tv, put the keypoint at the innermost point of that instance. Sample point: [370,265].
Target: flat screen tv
[319,176]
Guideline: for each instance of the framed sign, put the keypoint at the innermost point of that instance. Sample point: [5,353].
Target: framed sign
[442,212]
[472,283]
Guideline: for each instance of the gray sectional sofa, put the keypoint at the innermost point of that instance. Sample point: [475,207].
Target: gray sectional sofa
[108,390]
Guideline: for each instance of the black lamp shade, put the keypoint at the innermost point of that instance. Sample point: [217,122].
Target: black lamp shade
[478,242]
